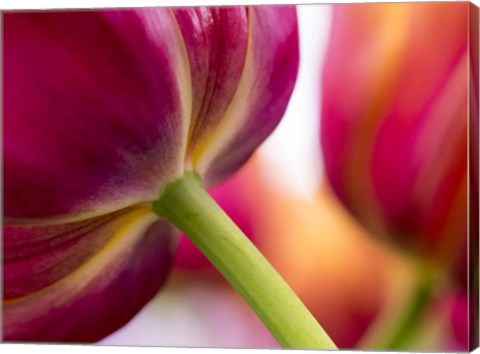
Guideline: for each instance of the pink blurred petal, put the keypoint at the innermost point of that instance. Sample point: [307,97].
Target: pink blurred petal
[394,121]
[460,323]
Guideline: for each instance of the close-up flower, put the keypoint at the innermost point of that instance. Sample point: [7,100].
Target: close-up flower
[102,109]
[307,241]
[297,177]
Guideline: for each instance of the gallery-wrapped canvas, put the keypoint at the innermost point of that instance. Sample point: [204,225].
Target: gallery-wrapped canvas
[265,176]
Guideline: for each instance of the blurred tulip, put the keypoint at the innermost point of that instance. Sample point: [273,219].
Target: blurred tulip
[472,269]
[101,110]
[459,323]
[394,122]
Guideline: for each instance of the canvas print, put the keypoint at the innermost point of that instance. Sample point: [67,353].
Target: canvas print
[301,177]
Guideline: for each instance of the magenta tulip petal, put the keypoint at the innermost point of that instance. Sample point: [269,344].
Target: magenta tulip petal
[102,109]
[103,288]
[460,310]
[216,42]
[94,111]
[424,200]
[37,256]
[261,97]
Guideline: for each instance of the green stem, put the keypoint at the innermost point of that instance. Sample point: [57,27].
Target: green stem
[407,327]
[187,205]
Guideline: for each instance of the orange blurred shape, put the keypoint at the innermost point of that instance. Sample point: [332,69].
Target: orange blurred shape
[327,258]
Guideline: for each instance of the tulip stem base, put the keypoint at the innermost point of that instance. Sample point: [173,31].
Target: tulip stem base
[187,205]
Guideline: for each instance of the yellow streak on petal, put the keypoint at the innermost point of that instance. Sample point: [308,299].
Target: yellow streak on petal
[206,149]
[384,58]
[177,50]
[185,83]
[130,229]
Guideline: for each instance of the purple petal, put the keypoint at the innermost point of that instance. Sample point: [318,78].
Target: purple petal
[95,110]
[216,41]
[89,285]
[261,97]
[103,107]
[37,256]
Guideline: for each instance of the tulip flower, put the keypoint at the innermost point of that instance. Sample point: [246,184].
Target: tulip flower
[115,118]
[394,125]
[394,122]
[104,108]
